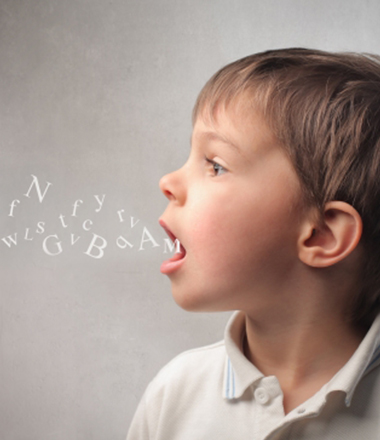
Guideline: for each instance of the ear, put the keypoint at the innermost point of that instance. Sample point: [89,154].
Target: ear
[340,234]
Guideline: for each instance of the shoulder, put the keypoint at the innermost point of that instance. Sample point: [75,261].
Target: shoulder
[190,372]
[206,353]
[192,363]
[181,393]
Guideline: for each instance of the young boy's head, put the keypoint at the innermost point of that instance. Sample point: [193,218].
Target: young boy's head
[280,137]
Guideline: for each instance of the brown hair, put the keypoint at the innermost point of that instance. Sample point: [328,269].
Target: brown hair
[325,110]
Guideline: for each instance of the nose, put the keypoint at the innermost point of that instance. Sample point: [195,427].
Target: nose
[173,186]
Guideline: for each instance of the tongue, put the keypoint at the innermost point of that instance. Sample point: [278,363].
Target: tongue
[170,265]
[178,255]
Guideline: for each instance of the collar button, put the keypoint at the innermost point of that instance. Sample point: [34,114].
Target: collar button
[261,395]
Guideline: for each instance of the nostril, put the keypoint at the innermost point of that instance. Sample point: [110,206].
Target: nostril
[167,193]
[166,182]
[172,186]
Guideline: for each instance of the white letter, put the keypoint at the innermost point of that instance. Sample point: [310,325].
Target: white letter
[74,214]
[100,202]
[120,217]
[63,223]
[171,245]
[46,249]
[73,240]
[38,189]
[26,235]
[123,243]
[84,224]
[40,227]
[150,238]
[133,224]
[10,240]
[92,244]
[12,206]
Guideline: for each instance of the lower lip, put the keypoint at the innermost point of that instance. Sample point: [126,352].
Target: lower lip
[173,264]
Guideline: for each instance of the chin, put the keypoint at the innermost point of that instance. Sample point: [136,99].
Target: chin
[193,301]
[187,302]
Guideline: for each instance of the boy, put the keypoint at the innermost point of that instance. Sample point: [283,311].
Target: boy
[278,214]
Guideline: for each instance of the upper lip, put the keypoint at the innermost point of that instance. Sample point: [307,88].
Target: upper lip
[182,249]
[167,230]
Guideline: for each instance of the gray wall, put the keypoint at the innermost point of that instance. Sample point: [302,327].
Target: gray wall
[96,99]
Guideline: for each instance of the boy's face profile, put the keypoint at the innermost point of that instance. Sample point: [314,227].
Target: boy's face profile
[233,206]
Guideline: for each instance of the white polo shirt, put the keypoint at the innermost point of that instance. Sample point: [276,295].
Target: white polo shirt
[215,393]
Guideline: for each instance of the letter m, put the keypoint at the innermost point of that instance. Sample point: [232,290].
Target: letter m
[171,245]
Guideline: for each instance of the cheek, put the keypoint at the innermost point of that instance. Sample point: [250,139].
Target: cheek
[238,235]
[206,231]
[220,241]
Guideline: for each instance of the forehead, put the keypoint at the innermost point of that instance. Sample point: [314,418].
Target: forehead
[211,102]
[238,122]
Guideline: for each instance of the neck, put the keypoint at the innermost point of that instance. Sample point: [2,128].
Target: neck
[303,354]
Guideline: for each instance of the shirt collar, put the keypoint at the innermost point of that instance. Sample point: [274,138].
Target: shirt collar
[364,360]
[240,373]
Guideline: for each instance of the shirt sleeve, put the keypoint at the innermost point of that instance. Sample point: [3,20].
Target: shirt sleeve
[139,429]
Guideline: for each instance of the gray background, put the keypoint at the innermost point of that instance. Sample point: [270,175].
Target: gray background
[96,98]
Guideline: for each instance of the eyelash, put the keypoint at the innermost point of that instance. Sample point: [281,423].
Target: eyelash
[216,166]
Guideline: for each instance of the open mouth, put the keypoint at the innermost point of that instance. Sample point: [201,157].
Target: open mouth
[173,263]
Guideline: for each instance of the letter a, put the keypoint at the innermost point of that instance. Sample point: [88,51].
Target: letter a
[146,233]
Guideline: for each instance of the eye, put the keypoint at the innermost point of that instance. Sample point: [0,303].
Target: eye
[217,168]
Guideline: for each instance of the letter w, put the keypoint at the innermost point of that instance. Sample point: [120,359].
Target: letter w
[8,240]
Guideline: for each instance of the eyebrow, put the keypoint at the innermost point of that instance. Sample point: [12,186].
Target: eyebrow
[210,135]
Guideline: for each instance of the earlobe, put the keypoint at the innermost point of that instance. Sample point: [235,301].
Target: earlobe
[336,239]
